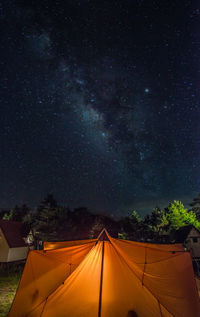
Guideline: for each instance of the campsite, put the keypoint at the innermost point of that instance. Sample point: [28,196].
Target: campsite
[99,270]
[107,277]
[99,158]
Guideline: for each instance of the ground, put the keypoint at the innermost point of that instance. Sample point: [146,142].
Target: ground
[9,280]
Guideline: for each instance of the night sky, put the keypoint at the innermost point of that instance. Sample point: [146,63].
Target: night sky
[100,103]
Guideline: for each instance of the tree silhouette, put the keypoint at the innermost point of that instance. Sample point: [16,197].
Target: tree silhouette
[196,206]
[17,213]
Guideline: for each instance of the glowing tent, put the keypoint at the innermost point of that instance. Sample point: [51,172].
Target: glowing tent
[107,277]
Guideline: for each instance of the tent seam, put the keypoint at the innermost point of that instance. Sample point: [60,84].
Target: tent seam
[71,246]
[139,279]
[59,284]
[149,247]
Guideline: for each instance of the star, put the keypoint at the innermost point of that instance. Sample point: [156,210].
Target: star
[82,102]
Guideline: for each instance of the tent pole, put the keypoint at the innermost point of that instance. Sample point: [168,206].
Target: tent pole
[145,262]
[100,233]
[101,282]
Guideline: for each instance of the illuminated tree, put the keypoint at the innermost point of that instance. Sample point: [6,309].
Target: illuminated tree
[178,216]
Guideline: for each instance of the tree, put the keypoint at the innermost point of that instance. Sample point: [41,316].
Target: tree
[17,213]
[135,218]
[49,200]
[196,206]
[131,227]
[43,220]
[167,221]
[158,220]
[46,219]
[178,216]
[155,224]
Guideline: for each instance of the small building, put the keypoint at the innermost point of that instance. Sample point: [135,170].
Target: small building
[190,237]
[12,243]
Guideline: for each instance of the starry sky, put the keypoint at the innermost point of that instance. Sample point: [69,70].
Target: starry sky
[100,103]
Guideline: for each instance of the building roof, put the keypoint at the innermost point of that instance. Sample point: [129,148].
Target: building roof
[12,231]
[182,233]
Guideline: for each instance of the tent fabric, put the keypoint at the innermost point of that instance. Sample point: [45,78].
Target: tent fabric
[112,278]
[64,244]
[43,274]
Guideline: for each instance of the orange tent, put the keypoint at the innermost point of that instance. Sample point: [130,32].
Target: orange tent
[107,277]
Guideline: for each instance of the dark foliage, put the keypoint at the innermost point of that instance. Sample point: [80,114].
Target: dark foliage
[53,222]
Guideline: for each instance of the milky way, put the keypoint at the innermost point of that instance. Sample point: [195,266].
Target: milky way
[100,103]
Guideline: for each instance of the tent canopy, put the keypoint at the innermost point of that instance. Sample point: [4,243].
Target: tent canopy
[107,277]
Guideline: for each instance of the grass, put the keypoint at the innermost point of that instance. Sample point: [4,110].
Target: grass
[9,279]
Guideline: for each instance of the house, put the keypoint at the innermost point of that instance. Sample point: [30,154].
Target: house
[190,237]
[12,244]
